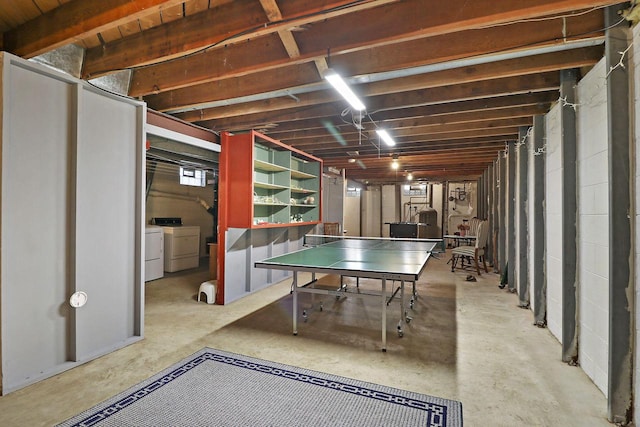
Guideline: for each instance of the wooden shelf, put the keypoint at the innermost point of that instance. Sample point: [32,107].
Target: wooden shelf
[268,186]
[301,175]
[255,168]
[268,167]
[302,191]
[270,204]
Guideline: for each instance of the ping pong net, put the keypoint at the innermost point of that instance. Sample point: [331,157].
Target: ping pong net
[436,245]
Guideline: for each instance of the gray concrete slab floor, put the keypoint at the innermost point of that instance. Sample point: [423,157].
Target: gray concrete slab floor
[467,341]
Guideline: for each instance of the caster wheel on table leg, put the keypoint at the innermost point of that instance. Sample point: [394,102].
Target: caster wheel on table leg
[304,315]
[400,332]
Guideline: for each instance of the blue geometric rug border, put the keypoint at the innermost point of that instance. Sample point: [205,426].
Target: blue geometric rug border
[436,412]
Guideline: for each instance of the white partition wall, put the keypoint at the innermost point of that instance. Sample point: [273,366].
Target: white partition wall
[390,207]
[352,209]
[106,260]
[34,225]
[593,225]
[553,225]
[246,246]
[371,216]
[333,189]
[71,220]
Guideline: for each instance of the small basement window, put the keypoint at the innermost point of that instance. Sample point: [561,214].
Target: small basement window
[193,177]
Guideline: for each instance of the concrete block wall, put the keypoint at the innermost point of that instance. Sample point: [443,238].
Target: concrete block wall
[593,225]
[553,224]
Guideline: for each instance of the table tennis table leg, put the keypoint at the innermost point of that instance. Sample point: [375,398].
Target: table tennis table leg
[403,313]
[404,316]
[295,303]
[384,314]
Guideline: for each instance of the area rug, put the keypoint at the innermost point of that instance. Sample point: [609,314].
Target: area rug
[217,388]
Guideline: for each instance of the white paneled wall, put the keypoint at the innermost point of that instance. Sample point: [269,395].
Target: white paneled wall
[553,224]
[371,217]
[635,57]
[71,219]
[390,207]
[593,225]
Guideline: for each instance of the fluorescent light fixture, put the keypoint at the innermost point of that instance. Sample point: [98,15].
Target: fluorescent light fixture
[394,164]
[343,89]
[384,135]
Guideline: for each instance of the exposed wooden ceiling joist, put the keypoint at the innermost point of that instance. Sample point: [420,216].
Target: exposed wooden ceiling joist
[74,20]
[452,83]
[268,54]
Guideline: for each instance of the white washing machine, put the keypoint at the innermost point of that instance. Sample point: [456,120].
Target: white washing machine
[153,253]
[181,247]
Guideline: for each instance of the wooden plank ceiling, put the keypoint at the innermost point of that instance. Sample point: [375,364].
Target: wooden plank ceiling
[452,82]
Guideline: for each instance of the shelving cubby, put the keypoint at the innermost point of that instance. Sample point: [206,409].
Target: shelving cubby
[305,186]
[268,183]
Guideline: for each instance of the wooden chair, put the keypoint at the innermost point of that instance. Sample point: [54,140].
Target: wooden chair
[473,226]
[331,229]
[475,252]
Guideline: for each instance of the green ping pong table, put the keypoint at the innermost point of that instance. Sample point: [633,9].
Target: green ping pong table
[394,259]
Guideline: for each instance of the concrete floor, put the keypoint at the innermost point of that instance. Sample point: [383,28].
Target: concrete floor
[468,341]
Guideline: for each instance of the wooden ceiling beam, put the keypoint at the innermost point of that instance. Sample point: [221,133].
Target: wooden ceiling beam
[236,121]
[455,45]
[380,26]
[271,79]
[302,119]
[421,96]
[262,53]
[445,149]
[75,20]
[528,65]
[232,22]
[474,117]
[420,145]
[458,172]
[412,144]
[384,165]
[425,133]
[430,161]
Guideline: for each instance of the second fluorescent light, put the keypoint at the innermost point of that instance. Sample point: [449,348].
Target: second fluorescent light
[343,89]
[384,135]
